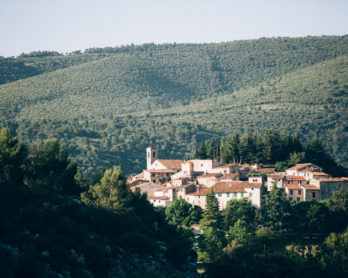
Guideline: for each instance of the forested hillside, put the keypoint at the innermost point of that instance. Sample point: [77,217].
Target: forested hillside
[107,109]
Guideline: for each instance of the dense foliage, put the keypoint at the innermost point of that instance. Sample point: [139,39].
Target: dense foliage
[284,239]
[107,105]
[273,148]
[46,231]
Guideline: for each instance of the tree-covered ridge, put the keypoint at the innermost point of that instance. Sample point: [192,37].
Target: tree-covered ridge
[109,110]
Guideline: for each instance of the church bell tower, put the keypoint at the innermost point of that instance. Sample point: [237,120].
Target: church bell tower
[151,156]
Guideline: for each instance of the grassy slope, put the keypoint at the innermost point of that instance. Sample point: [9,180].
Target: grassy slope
[108,111]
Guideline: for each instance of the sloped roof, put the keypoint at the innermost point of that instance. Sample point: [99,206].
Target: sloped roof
[311,187]
[160,171]
[158,198]
[200,192]
[295,178]
[319,174]
[227,187]
[265,170]
[293,186]
[299,166]
[211,175]
[276,176]
[333,179]
[174,164]
[230,176]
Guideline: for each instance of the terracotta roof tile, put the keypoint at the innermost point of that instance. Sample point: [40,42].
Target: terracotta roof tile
[211,175]
[200,192]
[318,173]
[295,178]
[174,164]
[265,170]
[230,176]
[228,187]
[276,177]
[293,186]
[158,198]
[299,166]
[333,179]
[160,171]
[311,187]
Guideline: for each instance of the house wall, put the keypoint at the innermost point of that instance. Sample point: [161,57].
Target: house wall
[294,194]
[223,198]
[270,183]
[149,188]
[255,196]
[202,165]
[308,195]
[156,177]
[209,182]
[187,169]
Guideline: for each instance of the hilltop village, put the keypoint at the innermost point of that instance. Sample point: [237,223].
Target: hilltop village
[164,180]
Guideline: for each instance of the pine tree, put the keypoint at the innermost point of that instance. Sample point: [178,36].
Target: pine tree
[276,212]
[112,191]
[12,159]
[211,215]
[213,239]
[51,170]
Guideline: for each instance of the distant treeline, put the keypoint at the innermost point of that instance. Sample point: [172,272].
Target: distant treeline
[280,149]
[108,107]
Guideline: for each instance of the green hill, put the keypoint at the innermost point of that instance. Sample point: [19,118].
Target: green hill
[109,109]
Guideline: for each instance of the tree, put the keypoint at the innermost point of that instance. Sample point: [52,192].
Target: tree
[213,240]
[229,149]
[211,215]
[338,207]
[334,254]
[112,191]
[181,213]
[51,170]
[316,154]
[276,212]
[12,159]
[272,146]
[296,158]
[238,209]
[248,148]
[310,217]
[241,233]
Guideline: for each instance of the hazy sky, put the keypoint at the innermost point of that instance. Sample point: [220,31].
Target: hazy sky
[67,25]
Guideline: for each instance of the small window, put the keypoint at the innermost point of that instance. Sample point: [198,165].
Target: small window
[299,192]
[219,195]
[228,194]
[235,194]
[290,199]
[291,191]
[153,154]
[242,194]
[250,194]
[153,174]
[154,181]
[313,194]
[298,199]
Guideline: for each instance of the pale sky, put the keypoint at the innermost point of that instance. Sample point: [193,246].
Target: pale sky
[68,25]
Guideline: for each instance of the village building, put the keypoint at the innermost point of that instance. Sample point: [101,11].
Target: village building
[165,180]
